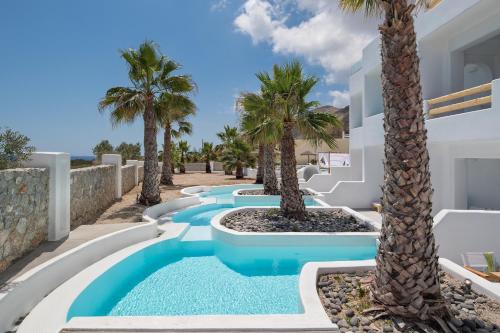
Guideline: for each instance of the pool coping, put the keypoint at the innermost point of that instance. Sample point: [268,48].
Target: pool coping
[52,310]
[240,238]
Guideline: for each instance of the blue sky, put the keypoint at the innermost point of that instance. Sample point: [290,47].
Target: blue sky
[59,57]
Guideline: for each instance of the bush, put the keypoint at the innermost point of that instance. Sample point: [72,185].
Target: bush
[14,149]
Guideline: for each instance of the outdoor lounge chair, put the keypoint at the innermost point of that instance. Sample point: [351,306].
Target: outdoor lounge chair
[476,263]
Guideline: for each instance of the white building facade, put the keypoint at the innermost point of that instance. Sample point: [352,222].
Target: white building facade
[459,49]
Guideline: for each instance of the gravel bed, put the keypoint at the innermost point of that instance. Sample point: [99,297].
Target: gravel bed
[261,192]
[317,220]
[346,296]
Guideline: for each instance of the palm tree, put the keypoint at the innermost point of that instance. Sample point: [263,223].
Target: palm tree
[237,156]
[183,149]
[172,109]
[259,178]
[406,280]
[150,74]
[227,136]
[288,89]
[208,154]
[259,126]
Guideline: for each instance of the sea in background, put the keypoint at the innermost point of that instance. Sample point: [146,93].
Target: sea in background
[82,157]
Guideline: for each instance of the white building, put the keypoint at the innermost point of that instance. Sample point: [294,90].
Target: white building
[459,48]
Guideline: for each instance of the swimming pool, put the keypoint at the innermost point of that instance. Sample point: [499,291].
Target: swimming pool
[197,275]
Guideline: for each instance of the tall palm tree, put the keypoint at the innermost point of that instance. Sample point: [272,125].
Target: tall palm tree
[406,281]
[183,149]
[237,156]
[227,136]
[172,109]
[150,74]
[288,88]
[259,125]
[208,154]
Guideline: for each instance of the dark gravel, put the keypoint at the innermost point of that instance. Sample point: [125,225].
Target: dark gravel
[346,296]
[317,220]
[261,192]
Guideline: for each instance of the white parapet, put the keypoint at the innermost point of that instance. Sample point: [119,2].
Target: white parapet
[59,191]
[136,169]
[116,160]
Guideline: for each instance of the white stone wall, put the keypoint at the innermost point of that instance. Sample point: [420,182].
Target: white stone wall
[24,212]
[92,191]
[128,178]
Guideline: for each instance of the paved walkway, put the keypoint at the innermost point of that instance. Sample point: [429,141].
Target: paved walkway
[49,250]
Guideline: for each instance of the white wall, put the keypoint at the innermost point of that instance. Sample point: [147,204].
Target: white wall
[460,231]
[374,103]
[483,183]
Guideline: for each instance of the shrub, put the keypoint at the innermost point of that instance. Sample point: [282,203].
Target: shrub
[14,149]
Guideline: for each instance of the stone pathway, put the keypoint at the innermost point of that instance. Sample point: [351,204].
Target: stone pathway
[49,250]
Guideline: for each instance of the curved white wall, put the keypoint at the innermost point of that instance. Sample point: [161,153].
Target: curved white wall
[460,231]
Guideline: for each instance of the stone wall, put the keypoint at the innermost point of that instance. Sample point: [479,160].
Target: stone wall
[92,191]
[24,212]
[141,173]
[128,178]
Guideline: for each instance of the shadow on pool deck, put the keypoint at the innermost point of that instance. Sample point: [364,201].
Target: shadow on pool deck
[121,215]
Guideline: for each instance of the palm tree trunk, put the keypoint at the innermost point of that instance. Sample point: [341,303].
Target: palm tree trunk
[292,204]
[208,169]
[166,173]
[270,181]
[150,194]
[406,280]
[259,179]
[239,171]
[182,167]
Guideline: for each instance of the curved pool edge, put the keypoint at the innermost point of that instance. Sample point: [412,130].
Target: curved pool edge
[195,191]
[29,289]
[52,310]
[234,237]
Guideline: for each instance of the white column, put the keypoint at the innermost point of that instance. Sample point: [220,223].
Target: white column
[59,191]
[135,163]
[116,160]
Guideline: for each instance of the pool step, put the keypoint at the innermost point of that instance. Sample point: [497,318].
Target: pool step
[198,233]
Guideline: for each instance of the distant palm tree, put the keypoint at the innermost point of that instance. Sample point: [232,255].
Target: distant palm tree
[183,149]
[288,89]
[227,136]
[237,156]
[406,280]
[150,74]
[208,154]
[172,109]
[259,126]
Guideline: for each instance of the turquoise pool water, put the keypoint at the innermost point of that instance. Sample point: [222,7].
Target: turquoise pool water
[196,275]
[226,192]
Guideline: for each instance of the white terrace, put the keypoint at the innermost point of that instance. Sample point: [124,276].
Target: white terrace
[459,48]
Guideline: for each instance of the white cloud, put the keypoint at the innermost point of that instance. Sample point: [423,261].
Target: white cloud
[326,36]
[219,5]
[340,98]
